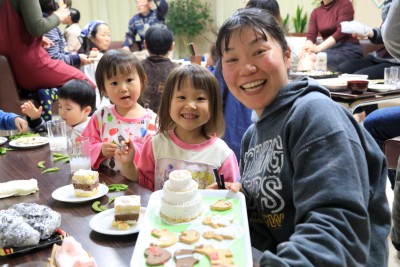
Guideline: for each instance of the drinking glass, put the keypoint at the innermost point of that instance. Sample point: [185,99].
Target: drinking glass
[57,131]
[394,76]
[79,154]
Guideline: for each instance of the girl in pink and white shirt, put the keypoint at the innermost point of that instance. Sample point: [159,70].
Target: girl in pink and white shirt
[190,124]
[121,77]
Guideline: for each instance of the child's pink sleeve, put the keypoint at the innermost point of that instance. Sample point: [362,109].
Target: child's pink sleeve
[146,166]
[93,132]
[230,169]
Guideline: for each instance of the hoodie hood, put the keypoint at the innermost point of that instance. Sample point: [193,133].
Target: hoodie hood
[290,93]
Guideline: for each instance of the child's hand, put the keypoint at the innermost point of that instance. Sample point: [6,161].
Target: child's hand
[108,149]
[21,124]
[29,109]
[234,187]
[126,154]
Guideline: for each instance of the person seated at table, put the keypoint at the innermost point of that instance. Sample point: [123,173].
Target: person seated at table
[142,21]
[374,64]
[95,34]
[77,101]
[57,49]
[22,26]
[12,121]
[73,31]
[306,165]
[190,125]
[325,20]
[120,76]
[159,41]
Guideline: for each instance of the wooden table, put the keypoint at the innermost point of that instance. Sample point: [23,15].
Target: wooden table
[108,250]
[353,101]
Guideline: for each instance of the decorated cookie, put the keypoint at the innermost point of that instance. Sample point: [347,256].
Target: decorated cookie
[221,205]
[189,237]
[219,234]
[156,255]
[165,238]
[216,256]
[217,221]
[184,258]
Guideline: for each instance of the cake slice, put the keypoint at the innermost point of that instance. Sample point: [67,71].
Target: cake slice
[94,53]
[85,183]
[127,209]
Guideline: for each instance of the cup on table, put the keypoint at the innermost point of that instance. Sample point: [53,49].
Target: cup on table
[79,154]
[196,59]
[391,77]
[57,131]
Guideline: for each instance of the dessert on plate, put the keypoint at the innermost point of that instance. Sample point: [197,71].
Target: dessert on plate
[127,211]
[181,200]
[85,183]
[25,224]
[71,254]
[94,53]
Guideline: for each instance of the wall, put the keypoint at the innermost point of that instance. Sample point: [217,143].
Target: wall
[118,13]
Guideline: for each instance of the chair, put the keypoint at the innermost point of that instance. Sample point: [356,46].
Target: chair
[9,93]
[391,148]
[11,98]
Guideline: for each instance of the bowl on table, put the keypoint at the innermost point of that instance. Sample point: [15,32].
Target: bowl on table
[357,86]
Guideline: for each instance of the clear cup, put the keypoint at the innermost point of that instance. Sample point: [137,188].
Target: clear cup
[57,131]
[391,77]
[394,73]
[79,154]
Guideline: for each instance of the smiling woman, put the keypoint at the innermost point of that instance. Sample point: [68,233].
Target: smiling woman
[298,129]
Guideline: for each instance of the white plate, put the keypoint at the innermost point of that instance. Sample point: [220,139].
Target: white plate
[29,142]
[354,76]
[2,140]
[379,88]
[66,194]
[334,84]
[240,245]
[102,223]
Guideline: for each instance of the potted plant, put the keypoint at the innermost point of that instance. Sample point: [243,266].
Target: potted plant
[188,19]
[299,20]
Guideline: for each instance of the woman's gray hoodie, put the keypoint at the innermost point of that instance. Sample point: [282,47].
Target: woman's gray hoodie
[314,181]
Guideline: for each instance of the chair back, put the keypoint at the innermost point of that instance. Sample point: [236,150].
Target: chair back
[9,96]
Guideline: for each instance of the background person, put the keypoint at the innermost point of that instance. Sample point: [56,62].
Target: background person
[325,20]
[142,21]
[12,121]
[22,26]
[95,34]
[159,42]
[73,31]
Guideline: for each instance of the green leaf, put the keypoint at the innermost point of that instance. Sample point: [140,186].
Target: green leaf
[188,18]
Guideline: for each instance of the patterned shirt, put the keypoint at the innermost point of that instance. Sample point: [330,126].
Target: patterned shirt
[106,125]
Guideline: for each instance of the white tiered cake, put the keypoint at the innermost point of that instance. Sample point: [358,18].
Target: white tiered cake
[181,201]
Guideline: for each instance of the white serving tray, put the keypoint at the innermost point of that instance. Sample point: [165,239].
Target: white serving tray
[240,246]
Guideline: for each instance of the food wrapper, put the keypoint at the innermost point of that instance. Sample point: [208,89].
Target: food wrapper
[18,188]
[355,27]
[71,253]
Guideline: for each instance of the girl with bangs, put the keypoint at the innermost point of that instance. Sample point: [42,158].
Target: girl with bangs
[121,78]
[190,126]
